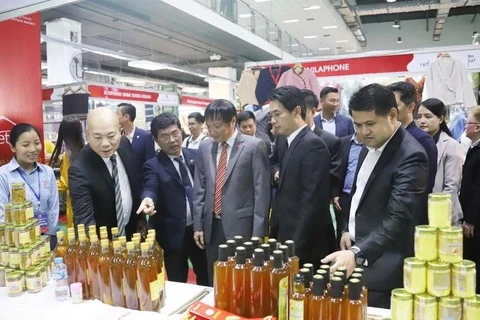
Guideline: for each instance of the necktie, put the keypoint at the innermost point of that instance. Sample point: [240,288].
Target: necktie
[185,181]
[220,180]
[118,197]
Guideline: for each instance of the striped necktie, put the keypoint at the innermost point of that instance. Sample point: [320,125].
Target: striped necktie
[220,180]
[118,197]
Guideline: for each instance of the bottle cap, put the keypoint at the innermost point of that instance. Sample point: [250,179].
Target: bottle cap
[103,229]
[354,289]
[60,234]
[248,249]
[309,266]
[266,251]
[359,270]
[231,248]
[319,285]
[223,253]
[117,244]
[256,242]
[58,260]
[82,237]
[238,241]
[277,259]
[81,226]
[104,243]
[340,275]
[122,239]
[337,288]
[291,248]
[144,246]
[70,230]
[357,276]
[298,279]
[258,257]
[273,244]
[114,230]
[137,234]
[130,246]
[152,232]
[284,249]
[306,276]
[76,287]
[241,255]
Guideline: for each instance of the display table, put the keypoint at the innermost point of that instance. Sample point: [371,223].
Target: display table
[43,305]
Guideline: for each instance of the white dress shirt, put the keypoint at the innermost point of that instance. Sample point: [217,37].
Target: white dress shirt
[193,144]
[177,167]
[364,173]
[230,143]
[294,134]
[329,125]
[127,201]
[131,135]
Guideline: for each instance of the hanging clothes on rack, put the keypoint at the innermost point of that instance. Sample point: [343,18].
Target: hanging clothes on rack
[267,81]
[418,87]
[447,80]
[300,77]
[247,85]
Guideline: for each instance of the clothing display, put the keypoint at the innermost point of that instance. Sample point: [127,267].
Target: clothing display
[247,85]
[267,81]
[418,87]
[301,78]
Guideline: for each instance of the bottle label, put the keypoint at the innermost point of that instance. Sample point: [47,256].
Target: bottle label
[154,290]
[24,237]
[282,299]
[33,283]
[14,258]
[296,311]
[29,213]
[161,280]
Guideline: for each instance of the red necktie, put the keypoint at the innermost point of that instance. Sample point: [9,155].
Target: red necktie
[220,180]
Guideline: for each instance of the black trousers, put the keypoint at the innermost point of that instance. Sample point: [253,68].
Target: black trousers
[342,216]
[471,249]
[176,262]
[217,238]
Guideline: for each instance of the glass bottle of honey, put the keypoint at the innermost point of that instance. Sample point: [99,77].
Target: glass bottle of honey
[318,304]
[309,266]
[70,257]
[239,284]
[104,262]
[116,275]
[92,263]
[238,241]
[156,254]
[326,268]
[256,242]
[222,279]
[279,287]
[130,278]
[266,257]
[249,251]
[355,304]
[336,299]
[297,305]
[81,266]
[148,291]
[292,258]
[259,298]
[61,248]
[307,278]
[231,250]
[364,294]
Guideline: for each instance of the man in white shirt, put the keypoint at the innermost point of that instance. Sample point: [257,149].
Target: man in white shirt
[195,124]
[390,184]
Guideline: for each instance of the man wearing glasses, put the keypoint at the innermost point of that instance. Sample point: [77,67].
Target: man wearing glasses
[195,124]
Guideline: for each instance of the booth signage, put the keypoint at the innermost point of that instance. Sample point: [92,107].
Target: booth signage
[122,94]
[195,101]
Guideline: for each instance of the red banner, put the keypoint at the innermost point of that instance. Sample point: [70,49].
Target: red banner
[195,101]
[122,94]
[20,78]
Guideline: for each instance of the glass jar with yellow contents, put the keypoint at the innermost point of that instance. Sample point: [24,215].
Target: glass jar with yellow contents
[471,308]
[22,237]
[33,281]
[450,308]
[14,258]
[43,274]
[425,307]
[4,256]
[2,234]
[46,244]
[14,282]
[438,278]
[426,243]
[18,192]
[29,214]
[31,229]
[464,277]
[414,276]
[402,305]
[2,276]
[450,244]
[439,210]
[25,259]
[18,213]
[9,240]
[8,217]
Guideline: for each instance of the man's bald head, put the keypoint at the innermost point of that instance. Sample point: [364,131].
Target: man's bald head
[103,131]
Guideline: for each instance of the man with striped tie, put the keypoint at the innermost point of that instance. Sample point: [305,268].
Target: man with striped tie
[103,184]
[232,183]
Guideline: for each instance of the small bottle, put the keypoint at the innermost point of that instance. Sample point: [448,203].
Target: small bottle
[238,241]
[298,308]
[148,291]
[239,276]
[259,287]
[364,294]
[231,250]
[336,301]
[273,246]
[116,275]
[157,257]
[279,287]
[92,263]
[355,305]
[130,278]
[292,258]
[342,276]
[326,276]
[326,267]
[71,257]
[306,275]
[61,248]
[104,262]
[249,251]
[256,242]
[222,279]
[266,256]
[318,304]
[81,266]
[60,278]
[77,292]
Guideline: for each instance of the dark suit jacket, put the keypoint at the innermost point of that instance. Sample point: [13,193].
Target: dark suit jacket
[470,189]
[343,156]
[264,137]
[333,144]
[93,193]
[143,146]
[301,209]
[386,216]
[164,186]
[343,125]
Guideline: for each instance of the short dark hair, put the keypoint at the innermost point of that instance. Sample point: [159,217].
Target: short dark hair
[325,91]
[407,91]
[128,108]
[197,116]
[373,97]
[311,100]
[221,109]
[163,121]
[290,97]
[19,129]
[437,107]
[244,116]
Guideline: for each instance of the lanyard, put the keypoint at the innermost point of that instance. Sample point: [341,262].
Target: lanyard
[37,195]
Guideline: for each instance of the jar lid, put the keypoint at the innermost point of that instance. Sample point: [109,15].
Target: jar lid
[13,250]
[401,294]
[451,301]
[24,250]
[451,230]
[414,262]
[16,184]
[438,265]
[473,302]
[14,275]
[32,273]
[17,206]
[467,264]
[439,196]
[425,298]
[425,228]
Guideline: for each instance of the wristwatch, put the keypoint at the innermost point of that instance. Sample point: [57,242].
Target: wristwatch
[359,257]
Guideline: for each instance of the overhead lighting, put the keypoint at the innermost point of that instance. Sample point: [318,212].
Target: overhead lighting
[330,27]
[304,54]
[293,45]
[218,80]
[290,21]
[342,41]
[98,72]
[310,37]
[132,81]
[262,1]
[310,54]
[399,40]
[194,90]
[273,32]
[245,15]
[311,8]
[323,49]
[391,1]
[350,50]
[396,24]
[358,32]
[147,65]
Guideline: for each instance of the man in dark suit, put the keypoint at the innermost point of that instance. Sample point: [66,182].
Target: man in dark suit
[406,97]
[301,208]
[470,192]
[168,191]
[232,183]
[102,178]
[247,124]
[391,181]
[329,119]
[142,142]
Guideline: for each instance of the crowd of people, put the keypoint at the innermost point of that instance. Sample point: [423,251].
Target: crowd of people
[348,190]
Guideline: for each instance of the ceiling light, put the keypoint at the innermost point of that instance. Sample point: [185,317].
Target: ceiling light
[290,21]
[311,8]
[147,65]
[262,0]
[273,32]
[310,37]
[218,80]
[194,90]
[98,72]
[396,24]
[245,15]
[310,53]
[330,27]
[399,40]
[342,41]
[323,49]
[350,50]
[391,0]
[304,54]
